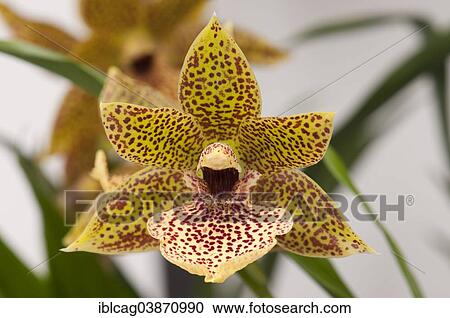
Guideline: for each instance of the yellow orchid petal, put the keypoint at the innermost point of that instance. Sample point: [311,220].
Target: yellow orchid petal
[110,16]
[120,222]
[79,159]
[81,223]
[101,173]
[99,50]
[161,137]
[100,177]
[257,49]
[76,133]
[269,144]
[217,85]
[77,122]
[163,17]
[39,33]
[119,87]
[217,239]
[319,228]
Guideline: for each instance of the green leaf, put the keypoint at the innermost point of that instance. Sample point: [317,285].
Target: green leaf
[324,273]
[255,279]
[320,269]
[354,137]
[269,263]
[16,280]
[440,81]
[74,274]
[336,166]
[356,128]
[353,24]
[80,74]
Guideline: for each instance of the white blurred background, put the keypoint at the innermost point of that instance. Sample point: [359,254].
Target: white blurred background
[407,160]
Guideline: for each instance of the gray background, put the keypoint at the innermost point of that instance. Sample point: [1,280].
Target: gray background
[408,160]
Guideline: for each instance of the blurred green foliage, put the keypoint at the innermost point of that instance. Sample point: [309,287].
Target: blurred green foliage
[83,75]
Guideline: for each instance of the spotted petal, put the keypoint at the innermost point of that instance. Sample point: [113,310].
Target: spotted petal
[39,33]
[99,178]
[217,85]
[120,222]
[219,239]
[110,16]
[119,87]
[82,221]
[319,227]
[273,143]
[161,137]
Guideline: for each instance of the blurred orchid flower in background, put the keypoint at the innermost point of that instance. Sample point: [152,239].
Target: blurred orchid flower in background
[216,143]
[147,39]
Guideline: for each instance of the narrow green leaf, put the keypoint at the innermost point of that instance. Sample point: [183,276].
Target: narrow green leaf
[80,74]
[16,280]
[440,82]
[336,166]
[353,138]
[356,127]
[256,280]
[358,23]
[74,274]
[269,263]
[77,274]
[324,273]
[320,269]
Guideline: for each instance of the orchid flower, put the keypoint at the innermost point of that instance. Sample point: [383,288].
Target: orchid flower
[217,144]
[147,39]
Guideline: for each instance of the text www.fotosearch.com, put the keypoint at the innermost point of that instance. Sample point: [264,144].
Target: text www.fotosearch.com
[190,307]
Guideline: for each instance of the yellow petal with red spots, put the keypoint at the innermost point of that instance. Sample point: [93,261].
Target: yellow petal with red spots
[119,87]
[160,137]
[81,223]
[99,178]
[319,227]
[273,143]
[120,222]
[164,16]
[257,49]
[38,33]
[215,238]
[217,85]
[110,16]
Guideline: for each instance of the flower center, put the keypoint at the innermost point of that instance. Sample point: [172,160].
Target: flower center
[220,181]
[142,64]
[219,168]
